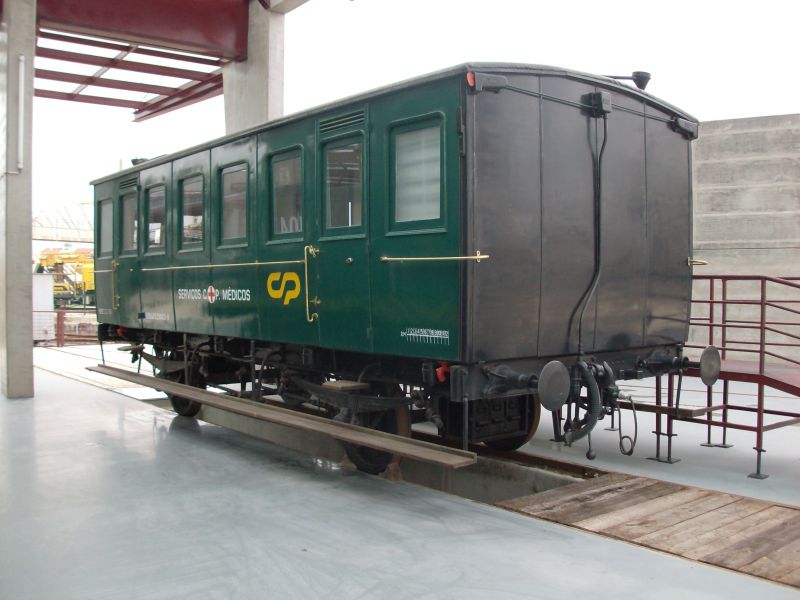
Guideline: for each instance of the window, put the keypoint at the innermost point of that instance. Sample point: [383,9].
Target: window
[129,222]
[156,224]
[106,227]
[343,185]
[287,195]
[234,203]
[192,202]
[417,175]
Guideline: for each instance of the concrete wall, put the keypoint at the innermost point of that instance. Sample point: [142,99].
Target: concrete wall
[747,216]
[747,196]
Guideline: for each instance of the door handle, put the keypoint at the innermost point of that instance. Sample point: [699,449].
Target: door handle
[114,285]
[310,250]
[692,262]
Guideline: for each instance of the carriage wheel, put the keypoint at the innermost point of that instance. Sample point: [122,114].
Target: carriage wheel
[185,407]
[370,460]
[513,443]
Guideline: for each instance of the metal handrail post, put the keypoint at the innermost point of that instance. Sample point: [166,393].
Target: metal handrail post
[670,416]
[658,422]
[712,320]
[724,316]
[711,310]
[763,344]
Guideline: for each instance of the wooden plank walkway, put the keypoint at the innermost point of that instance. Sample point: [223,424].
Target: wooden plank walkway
[743,534]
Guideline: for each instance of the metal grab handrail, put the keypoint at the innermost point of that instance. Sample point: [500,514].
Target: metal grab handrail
[115,296]
[477,257]
[226,265]
[310,317]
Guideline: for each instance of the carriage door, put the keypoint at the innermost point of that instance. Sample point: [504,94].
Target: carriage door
[233,289]
[416,263]
[155,272]
[104,260]
[287,228]
[128,272]
[342,267]
[117,255]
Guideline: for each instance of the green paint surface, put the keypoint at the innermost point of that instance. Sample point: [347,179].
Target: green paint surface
[348,177]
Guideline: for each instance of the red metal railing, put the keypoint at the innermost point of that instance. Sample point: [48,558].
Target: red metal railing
[747,316]
[761,325]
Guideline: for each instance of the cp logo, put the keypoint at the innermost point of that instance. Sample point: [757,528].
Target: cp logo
[292,280]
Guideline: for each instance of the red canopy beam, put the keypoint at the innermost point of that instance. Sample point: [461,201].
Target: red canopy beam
[116,84]
[88,99]
[212,27]
[127,65]
[192,92]
[121,47]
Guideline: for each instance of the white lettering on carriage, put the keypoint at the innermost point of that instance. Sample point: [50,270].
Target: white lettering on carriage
[191,294]
[234,295]
[212,294]
[422,335]
[156,316]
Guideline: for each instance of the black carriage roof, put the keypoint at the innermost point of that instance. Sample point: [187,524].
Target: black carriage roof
[494,67]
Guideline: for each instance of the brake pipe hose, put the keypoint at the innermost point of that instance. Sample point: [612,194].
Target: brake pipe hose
[595,406]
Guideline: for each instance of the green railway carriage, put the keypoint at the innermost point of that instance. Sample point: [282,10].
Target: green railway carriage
[445,234]
[271,234]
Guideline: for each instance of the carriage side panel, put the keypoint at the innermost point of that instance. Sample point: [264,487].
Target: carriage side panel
[505,221]
[669,234]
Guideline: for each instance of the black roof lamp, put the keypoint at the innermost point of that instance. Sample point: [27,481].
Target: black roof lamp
[639,78]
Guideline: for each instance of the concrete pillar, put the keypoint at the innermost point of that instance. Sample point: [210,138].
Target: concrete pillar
[254,87]
[17,47]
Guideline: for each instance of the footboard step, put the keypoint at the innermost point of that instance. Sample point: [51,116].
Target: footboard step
[345,432]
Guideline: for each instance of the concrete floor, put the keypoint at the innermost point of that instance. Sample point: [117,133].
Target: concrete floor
[102,496]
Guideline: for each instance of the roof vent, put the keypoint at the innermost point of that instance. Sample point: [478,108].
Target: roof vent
[341,121]
[130,181]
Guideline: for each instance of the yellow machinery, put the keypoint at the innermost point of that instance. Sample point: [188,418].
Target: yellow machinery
[73,270]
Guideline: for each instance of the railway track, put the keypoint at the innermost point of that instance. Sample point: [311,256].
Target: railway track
[518,457]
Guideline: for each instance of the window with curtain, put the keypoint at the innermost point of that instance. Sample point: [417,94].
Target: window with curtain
[234,203]
[417,175]
[129,222]
[192,203]
[287,195]
[343,185]
[156,202]
[106,227]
